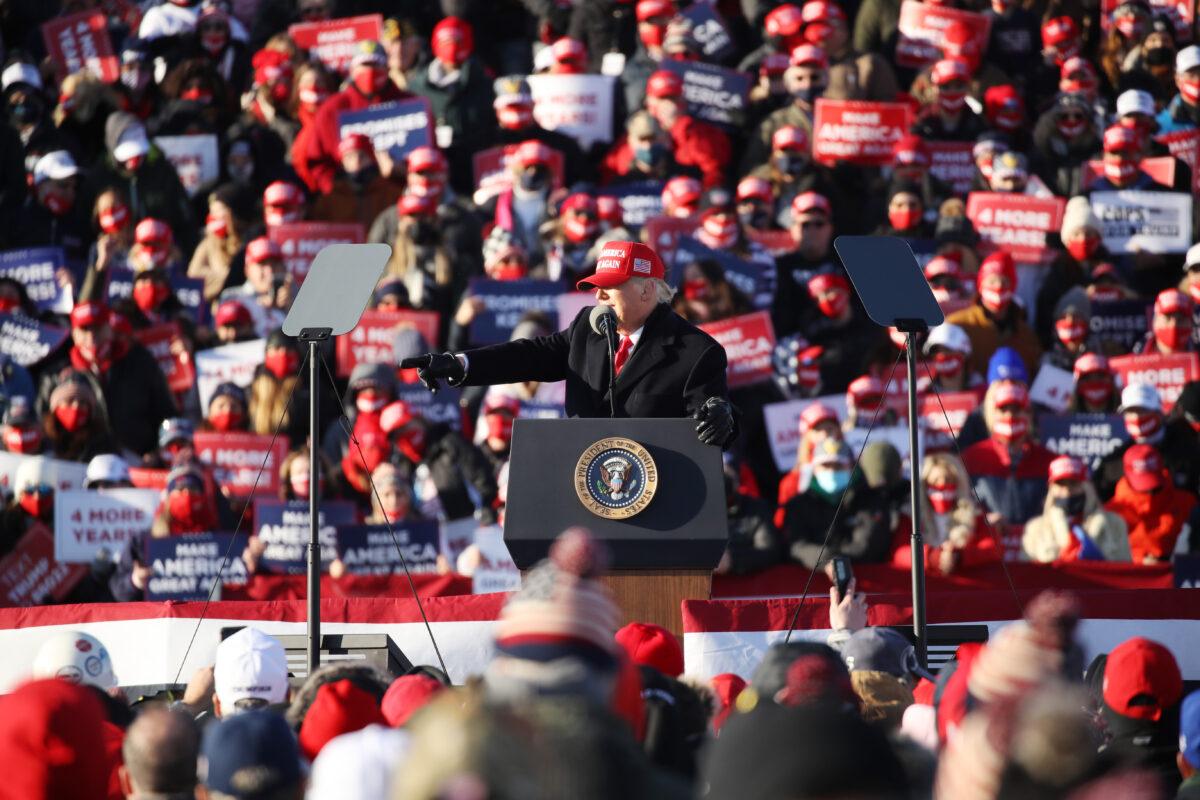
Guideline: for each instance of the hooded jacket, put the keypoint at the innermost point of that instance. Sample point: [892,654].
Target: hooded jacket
[1155,519]
[317,161]
[465,106]
[1178,447]
[1046,536]
[1061,165]
[862,529]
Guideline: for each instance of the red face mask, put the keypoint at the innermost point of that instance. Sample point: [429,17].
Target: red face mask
[1120,172]
[1010,429]
[952,101]
[150,294]
[38,504]
[8,304]
[695,290]
[1102,292]
[196,95]
[1193,292]
[834,304]
[280,91]
[508,271]
[499,426]
[578,229]
[369,402]
[652,35]
[217,226]
[299,486]
[943,498]
[903,219]
[996,300]
[311,98]
[370,81]
[1070,332]
[1142,426]
[515,117]
[948,365]
[226,420]
[1130,27]
[113,219]
[720,234]
[1096,391]
[1173,337]
[72,417]
[1082,248]
[58,203]
[17,440]
[1070,128]
[188,509]
[1190,89]
[281,362]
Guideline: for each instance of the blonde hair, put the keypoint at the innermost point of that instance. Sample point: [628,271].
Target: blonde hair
[404,255]
[268,402]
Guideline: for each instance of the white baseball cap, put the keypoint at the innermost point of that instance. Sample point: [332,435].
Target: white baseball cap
[1187,58]
[950,336]
[1135,101]
[20,72]
[1192,258]
[106,467]
[1139,395]
[133,143]
[250,664]
[77,657]
[54,166]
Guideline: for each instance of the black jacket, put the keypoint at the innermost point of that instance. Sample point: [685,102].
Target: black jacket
[862,529]
[458,469]
[754,543]
[672,371]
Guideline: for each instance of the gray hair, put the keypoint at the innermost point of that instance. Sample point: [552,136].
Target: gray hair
[662,289]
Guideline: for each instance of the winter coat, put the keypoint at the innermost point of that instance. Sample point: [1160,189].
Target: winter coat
[35,226]
[877,27]
[862,531]
[862,76]
[318,160]
[931,127]
[465,106]
[987,337]
[846,347]
[1178,116]
[460,227]
[459,472]
[576,167]
[1046,536]
[754,542]
[1061,165]
[1178,448]
[1155,519]
[1016,490]
[346,202]
[211,264]
[963,528]
[153,191]
[604,26]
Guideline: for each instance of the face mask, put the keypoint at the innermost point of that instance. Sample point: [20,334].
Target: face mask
[996,300]
[720,234]
[27,112]
[217,226]
[196,95]
[370,81]
[240,171]
[299,485]
[312,97]
[1103,291]
[1173,337]
[187,508]
[1071,505]
[1130,27]
[943,499]
[95,355]
[1194,291]
[17,440]
[834,304]
[226,420]
[282,363]
[1070,333]
[651,156]
[535,180]
[515,117]
[135,80]
[652,35]
[1082,249]
[1120,172]
[758,218]
[1070,129]
[952,101]
[1096,392]
[114,218]
[157,255]
[363,178]
[791,165]
[499,426]
[903,219]
[425,186]
[131,165]
[832,482]
[425,234]
[508,271]
[368,404]
[695,290]
[58,203]
[943,295]
[1143,426]
[214,42]
[1190,89]
[1159,56]
[149,295]
[276,215]
[949,365]
[1010,430]
[809,94]
[578,230]
[72,417]
[38,504]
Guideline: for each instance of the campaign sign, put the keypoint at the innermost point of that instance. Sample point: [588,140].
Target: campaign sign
[1166,373]
[941,422]
[716,44]
[953,164]
[1052,388]
[194,157]
[376,550]
[442,407]
[717,95]
[775,242]
[1184,145]
[282,525]
[782,421]
[505,302]
[640,200]
[749,341]
[301,241]
[571,303]
[1016,223]
[1089,437]
[755,280]
[1161,169]
[335,41]
[1124,322]
[237,458]
[494,571]
[1187,571]
[30,575]
[857,131]
[492,176]
[34,268]
[580,106]
[81,41]
[188,291]
[922,28]
[64,474]
[176,366]
[372,339]
[28,341]
[148,477]
[88,520]
[232,362]
[397,128]
[185,567]
[1150,222]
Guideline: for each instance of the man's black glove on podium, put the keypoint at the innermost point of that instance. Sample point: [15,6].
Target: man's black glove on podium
[716,421]
[432,367]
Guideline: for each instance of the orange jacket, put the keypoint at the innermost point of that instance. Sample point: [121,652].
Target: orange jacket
[1154,520]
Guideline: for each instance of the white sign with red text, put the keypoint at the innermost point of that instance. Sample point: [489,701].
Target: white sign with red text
[89,520]
[580,106]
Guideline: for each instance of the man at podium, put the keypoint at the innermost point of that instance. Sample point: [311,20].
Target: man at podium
[664,366]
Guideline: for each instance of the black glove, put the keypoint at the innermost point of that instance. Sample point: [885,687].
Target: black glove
[433,366]
[716,421]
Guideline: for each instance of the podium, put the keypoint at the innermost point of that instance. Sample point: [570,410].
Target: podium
[646,487]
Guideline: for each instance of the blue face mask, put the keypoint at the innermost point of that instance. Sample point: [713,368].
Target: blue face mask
[832,482]
[651,155]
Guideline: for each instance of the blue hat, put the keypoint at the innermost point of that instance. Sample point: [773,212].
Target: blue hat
[253,754]
[175,428]
[882,650]
[229,389]
[1006,365]
[1189,729]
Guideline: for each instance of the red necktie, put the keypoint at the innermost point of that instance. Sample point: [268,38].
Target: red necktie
[622,354]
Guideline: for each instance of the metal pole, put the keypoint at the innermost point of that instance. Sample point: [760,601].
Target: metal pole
[916,543]
[314,491]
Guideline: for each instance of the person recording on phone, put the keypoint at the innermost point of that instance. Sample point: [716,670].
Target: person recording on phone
[660,364]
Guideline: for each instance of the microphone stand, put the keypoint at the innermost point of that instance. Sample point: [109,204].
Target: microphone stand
[606,323]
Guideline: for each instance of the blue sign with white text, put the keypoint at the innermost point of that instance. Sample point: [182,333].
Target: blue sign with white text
[376,550]
[185,566]
[505,302]
[398,127]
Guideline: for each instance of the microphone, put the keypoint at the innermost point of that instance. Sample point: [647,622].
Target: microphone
[604,322]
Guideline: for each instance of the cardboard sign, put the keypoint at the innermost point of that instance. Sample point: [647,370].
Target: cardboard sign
[148,478]
[231,362]
[28,341]
[492,176]
[1186,569]
[580,106]
[505,302]
[374,550]
[1052,388]
[186,566]
[495,570]
[335,41]
[442,407]
[1015,222]
[717,95]
[81,41]
[749,341]
[936,433]
[30,576]
[1150,222]
[88,520]
[283,526]
[34,268]
[1089,437]
[65,475]
[1168,374]
[301,241]
[1185,145]
[858,132]
[1123,322]
[922,29]
[372,339]
[195,158]
[177,367]
[237,459]
[953,164]
[710,31]
[755,280]
[398,127]
[640,200]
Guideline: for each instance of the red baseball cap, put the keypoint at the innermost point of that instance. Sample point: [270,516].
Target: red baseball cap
[569,51]
[453,40]
[950,69]
[999,263]
[821,11]
[826,282]
[790,137]
[355,141]
[282,193]
[774,64]
[809,55]
[649,9]
[754,188]
[1143,468]
[1010,392]
[407,695]
[85,315]
[620,261]
[261,249]
[664,83]
[815,414]
[425,158]
[651,645]
[152,231]
[531,152]
[1119,139]
[231,312]
[1059,30]
[411,205]
[608,208]
[785,20]
[1089,363]
[1067,468]
[940,265]
[1172,301]
[810,201]
[682,190]
[1141,679]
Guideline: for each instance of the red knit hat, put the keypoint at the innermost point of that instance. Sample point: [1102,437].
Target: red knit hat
[1141,679]
[339,707]
[726,686]
[652,645]
[407,695]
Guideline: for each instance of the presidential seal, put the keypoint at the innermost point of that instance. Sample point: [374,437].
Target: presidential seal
[616,478]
